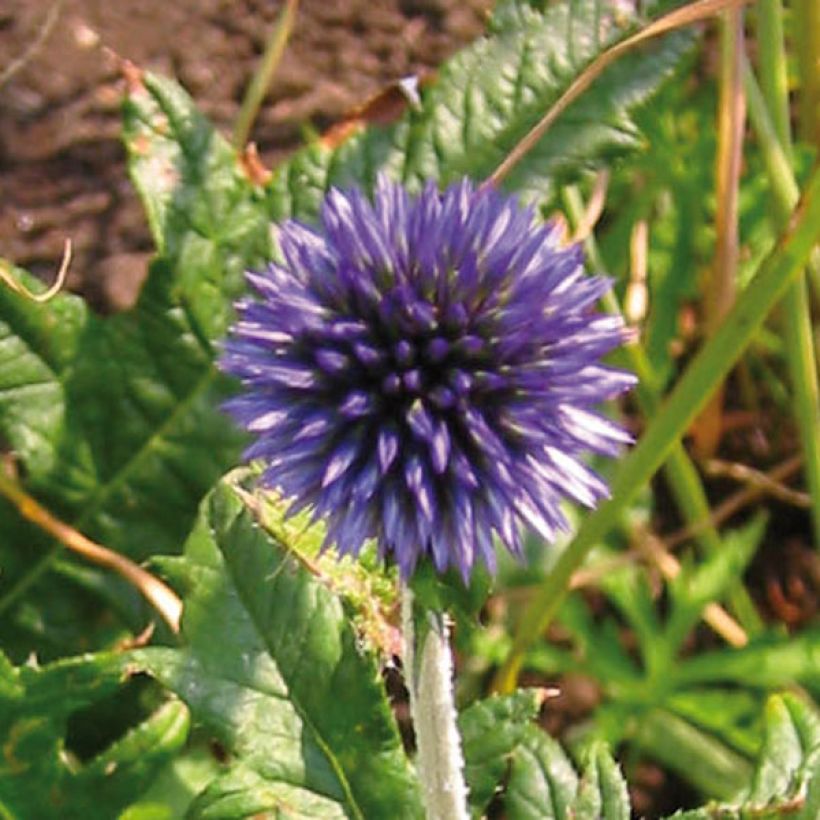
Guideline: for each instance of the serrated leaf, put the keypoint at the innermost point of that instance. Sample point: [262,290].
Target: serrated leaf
[272,667]
[206,217]
[508,756]
[124,426]
[487,98]
[121,436]
[602,793]
[491,731]
[39,777]
[115,421]
[542,783]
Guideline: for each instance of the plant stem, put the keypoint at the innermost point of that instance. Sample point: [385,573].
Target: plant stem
[773,72]
[705,372]
[720,292]
[778,169]
[261,79]
[797,328]
[428,672]
[806,24]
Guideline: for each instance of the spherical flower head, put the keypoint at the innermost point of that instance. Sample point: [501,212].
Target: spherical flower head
[422,371]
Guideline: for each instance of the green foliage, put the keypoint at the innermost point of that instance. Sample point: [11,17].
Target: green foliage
[115,421]
[66,374]
[786,781]
[487,98]
[699,715]
[511,760]
[40,776]
[114,425]
[271,666]
[206,218]
[528,775]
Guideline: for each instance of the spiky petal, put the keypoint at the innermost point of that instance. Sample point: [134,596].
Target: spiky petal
[422,371]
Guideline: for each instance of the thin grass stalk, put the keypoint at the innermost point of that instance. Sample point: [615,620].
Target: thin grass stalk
[778,168]
[679,470]
[774,81]
[797,327]
[806,23]
[261,80]
[698,383]
[721,287]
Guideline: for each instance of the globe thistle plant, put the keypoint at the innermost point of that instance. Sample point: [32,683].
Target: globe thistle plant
[422,371]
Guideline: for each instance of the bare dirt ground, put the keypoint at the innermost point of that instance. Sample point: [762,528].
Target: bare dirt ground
[62,167]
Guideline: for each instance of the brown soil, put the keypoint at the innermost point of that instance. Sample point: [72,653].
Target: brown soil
[62,167]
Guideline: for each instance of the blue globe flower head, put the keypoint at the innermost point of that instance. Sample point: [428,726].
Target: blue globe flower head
[422,371]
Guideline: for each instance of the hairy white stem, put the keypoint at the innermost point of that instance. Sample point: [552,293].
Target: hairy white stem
[428,672]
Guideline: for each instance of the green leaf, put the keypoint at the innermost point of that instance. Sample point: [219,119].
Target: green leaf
[272,667]
[696,587]
[37,344]
[207,219]
[786,782]
[492,731]
[790,760]
[487,98]
[667,186]
[511,758]
[244,792]
[175,787]
[40,776]
[115,421]
[599,646]
[769,661]
[731,714]
[700,758]
[119,434]
[602,793]
[628,589]
[542,783]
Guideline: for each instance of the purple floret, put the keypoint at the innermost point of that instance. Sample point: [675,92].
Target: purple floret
[422,371]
